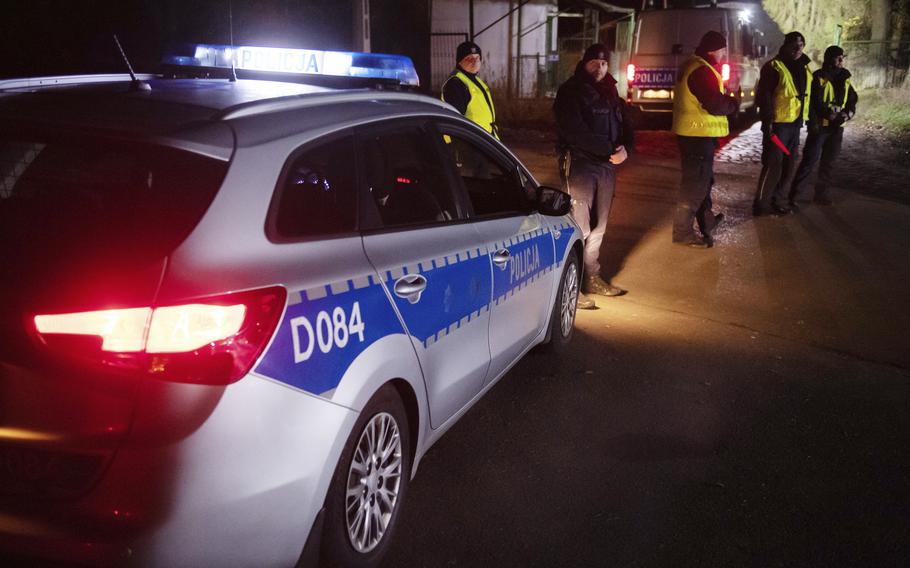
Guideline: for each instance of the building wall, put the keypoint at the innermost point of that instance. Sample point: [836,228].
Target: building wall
[452,17]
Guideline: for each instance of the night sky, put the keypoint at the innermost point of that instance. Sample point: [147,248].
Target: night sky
[49,37]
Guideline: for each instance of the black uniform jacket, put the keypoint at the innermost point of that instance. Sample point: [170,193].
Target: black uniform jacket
[767,83]
[591,119]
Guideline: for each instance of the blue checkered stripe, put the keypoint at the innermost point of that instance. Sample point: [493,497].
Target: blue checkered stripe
[563,234]
[457,292]
[306,352]
[320,333]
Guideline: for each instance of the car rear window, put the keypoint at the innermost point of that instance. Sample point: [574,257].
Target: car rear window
[77,194]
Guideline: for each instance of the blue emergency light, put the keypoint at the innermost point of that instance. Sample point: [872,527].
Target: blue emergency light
[280,60]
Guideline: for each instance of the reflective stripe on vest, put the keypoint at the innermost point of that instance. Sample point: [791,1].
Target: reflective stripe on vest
[689,117]
[479,110]
[786,100]
[828,96]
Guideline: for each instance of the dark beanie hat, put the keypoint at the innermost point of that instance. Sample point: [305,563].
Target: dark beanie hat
[832,52]
[712,41]
[465,49]
[793,36]
[596,51]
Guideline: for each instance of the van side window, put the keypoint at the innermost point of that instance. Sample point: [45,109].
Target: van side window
[317,196]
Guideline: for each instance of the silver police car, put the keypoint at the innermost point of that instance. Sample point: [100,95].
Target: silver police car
[235,314]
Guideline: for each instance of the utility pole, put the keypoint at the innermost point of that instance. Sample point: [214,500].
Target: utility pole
[471,20]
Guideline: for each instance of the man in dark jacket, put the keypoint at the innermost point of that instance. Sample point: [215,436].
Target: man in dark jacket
[833,103]
[700,110]
[594,137]
[783,102]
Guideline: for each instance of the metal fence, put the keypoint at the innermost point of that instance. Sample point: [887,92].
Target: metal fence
[878,63]
[442,56]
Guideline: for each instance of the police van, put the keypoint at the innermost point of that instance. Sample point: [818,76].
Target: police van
[665,38]
[236,313]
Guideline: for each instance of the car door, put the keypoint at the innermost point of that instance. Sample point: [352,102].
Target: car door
[519,242]
[429,258]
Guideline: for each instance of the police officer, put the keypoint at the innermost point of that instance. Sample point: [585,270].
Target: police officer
[783,99]
[699,119]
[833,103]
[594,137]
[465,91]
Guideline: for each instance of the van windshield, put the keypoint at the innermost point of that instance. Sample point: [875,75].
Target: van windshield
[660,30]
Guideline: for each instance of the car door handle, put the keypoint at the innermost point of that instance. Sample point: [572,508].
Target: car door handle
[410,287]
[501,258]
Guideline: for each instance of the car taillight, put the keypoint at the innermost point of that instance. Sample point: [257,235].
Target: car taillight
[725,72]
[630,72]
[209,341]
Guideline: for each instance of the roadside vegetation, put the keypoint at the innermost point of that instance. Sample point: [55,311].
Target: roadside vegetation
[887,110]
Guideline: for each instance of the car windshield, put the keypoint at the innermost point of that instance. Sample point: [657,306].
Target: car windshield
[76,195]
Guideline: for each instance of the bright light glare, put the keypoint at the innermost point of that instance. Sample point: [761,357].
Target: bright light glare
[725,72]
[122,331]
[179,329]
[745,16]
[630,72]
[335,63]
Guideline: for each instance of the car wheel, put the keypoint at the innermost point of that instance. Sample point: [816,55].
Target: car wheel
[369,486]
[562,320]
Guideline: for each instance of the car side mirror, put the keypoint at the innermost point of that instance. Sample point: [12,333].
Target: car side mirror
[553,202]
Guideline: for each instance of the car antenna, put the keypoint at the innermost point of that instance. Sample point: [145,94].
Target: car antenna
[233,78]
[135,84]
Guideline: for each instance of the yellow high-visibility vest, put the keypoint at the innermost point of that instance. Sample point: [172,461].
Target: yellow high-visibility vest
[689,117]
[786,99]
[478,110]
[828,96]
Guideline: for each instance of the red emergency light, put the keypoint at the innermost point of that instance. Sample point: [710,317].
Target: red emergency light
[630,72]
[725,72]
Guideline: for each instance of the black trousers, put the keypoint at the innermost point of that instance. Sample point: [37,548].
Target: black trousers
[777,167]
[693,201]
[824,143]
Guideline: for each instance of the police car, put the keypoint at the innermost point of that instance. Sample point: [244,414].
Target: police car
[236,313]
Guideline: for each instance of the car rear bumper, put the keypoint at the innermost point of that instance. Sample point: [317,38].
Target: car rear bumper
[238,482]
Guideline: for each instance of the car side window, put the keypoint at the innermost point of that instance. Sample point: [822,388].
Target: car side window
[317,196]
[492,188]
[405,178]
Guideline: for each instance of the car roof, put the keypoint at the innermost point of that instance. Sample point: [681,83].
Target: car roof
[188,113]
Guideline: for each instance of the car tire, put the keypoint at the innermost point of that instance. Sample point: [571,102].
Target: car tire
[562,319]
[366,543]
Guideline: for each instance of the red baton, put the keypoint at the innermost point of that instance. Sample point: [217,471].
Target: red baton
[779,144]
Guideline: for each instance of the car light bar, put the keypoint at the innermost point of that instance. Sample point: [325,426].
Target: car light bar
[282,60]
